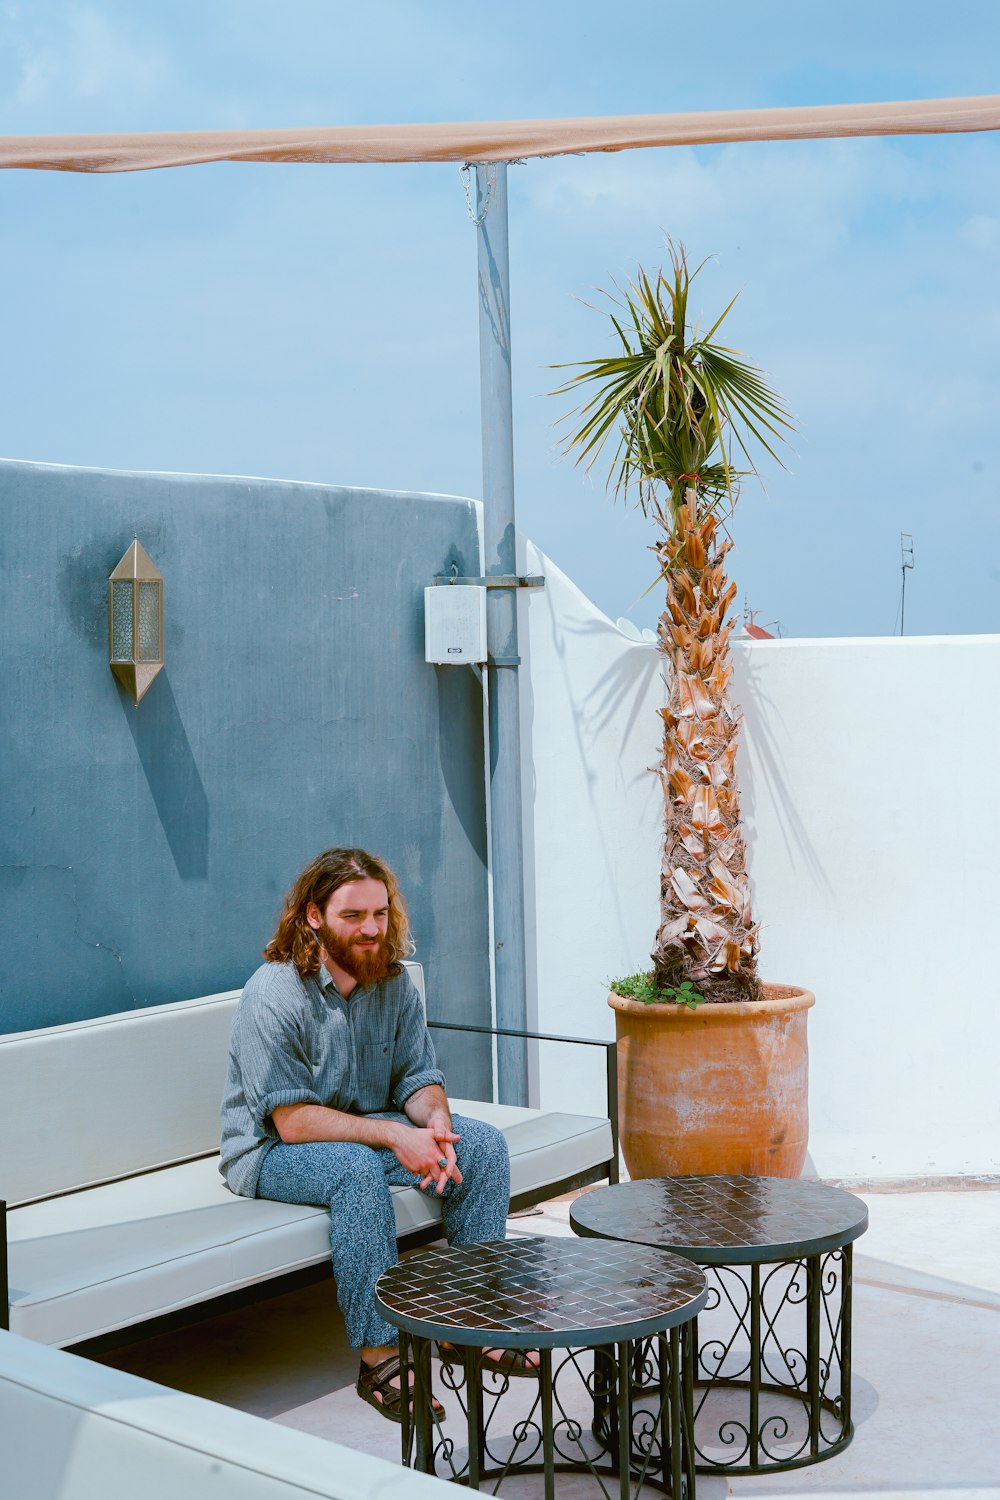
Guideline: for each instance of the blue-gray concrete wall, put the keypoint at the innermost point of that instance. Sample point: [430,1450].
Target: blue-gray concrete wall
[146,849]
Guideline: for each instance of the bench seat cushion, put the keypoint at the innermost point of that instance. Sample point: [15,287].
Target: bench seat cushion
[104,1258]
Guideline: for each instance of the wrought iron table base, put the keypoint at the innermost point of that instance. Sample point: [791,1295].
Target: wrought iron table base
[650,1446]
[815,1383]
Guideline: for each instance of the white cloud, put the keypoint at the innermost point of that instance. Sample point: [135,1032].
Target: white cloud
[981,232]
[85,59]
[786,197]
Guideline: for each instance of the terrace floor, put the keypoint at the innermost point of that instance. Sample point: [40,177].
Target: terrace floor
[926,1361]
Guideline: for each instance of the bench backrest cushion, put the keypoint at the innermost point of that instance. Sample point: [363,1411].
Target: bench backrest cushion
[96,1100]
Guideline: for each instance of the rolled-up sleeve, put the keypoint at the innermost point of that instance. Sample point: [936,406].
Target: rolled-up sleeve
[414,1064]
[274,1066]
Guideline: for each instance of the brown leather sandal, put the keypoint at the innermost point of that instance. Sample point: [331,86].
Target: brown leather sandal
[375,1386]
[515,1362]
[511,1362]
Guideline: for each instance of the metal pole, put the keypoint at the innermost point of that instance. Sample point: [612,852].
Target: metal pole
[4,1285]
[906,555]
[501,629]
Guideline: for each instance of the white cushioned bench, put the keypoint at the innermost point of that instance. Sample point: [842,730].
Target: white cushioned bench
[71,1429]
[116,1212]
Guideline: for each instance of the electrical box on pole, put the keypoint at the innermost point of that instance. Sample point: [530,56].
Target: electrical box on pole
[455,625]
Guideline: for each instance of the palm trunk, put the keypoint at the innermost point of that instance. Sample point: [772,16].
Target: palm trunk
[707,933]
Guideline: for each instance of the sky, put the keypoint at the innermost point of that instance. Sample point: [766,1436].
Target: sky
[319,322]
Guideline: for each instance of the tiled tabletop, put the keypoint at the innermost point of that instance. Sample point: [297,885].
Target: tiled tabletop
[540,1293]
[723,1220]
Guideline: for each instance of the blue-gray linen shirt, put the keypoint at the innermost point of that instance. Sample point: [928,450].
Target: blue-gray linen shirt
[298,1041]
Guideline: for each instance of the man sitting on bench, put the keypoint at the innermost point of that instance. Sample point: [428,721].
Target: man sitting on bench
[333,1093]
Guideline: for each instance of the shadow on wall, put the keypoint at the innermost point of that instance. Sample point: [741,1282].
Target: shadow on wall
[169,766]
[459,748]
[611,684]
[761,746]
[624,688]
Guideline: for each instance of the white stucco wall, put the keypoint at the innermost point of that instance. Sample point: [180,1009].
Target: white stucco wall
[873,817]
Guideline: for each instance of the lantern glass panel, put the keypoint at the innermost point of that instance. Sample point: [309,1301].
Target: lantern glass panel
[121,620]
[149,622]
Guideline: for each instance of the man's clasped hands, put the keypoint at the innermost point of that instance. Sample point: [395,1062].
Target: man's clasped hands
[429,1151]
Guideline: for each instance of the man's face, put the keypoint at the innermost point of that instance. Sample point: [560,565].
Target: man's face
[353,928]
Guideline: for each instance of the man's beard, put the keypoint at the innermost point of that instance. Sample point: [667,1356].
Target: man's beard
[366,965]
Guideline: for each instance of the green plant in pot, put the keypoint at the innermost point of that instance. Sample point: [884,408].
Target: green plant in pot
[712,1062]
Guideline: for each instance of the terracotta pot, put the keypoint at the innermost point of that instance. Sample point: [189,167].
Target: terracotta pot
[723,1088]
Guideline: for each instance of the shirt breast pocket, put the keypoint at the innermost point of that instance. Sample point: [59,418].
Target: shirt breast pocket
[374,1076]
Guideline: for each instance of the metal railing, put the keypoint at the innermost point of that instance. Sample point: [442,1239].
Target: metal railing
[611,1067]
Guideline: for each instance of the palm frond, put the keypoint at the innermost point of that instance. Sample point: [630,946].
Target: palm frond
[677,401]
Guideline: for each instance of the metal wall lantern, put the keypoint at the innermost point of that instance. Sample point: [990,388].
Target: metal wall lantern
[135,621]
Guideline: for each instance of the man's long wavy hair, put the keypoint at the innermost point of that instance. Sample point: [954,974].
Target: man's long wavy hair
[296,942]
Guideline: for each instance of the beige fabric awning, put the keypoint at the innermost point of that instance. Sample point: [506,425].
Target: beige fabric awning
[497,141]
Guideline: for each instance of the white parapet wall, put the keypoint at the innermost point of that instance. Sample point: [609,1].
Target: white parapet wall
[872,811]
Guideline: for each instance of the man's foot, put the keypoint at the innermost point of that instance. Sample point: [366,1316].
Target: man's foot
[511,1361]
[380,1385]
[500,1361]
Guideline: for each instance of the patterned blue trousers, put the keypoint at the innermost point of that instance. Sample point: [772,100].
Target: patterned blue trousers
[353,1182]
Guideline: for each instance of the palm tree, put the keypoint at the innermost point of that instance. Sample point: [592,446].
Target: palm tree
[679,402]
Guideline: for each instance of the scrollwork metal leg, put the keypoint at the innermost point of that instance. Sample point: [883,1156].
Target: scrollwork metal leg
[625,1419]
[813,1309]
[795,1323]
[548,1442]
[474,1399]
[690,1372]
[689,1347]
[676,1398]
[652,1424]
[605,1423]
[422,1413]
[405,1415]
[754,1422]
[846,1290]
[667,1424]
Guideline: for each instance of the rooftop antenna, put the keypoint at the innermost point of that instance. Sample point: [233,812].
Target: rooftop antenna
[750,618]
[906,558]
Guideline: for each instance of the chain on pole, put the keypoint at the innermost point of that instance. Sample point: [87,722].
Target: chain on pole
[491,177]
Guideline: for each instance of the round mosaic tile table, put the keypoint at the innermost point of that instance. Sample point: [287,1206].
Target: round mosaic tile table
[777,1253]
[586,1306]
